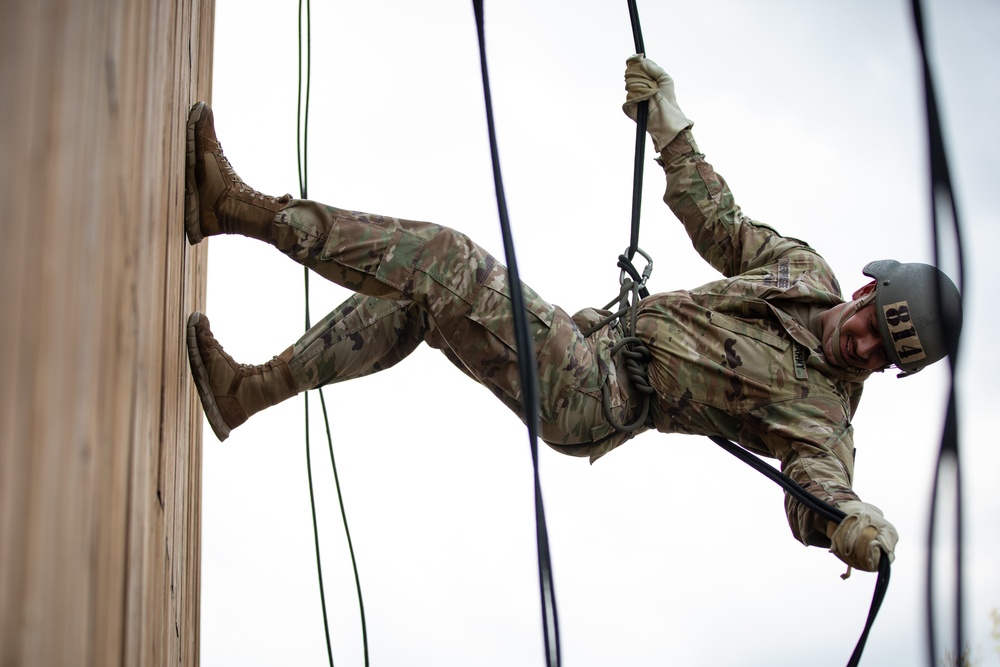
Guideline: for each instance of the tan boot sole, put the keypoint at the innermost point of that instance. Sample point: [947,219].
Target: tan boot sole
[201,381]
[192,214]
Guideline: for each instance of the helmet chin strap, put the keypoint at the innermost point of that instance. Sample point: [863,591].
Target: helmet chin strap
[848,313]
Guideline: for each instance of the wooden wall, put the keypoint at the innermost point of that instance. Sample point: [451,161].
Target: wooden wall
[100,434]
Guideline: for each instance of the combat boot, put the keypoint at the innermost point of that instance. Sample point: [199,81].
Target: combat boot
[216,200]
[231,392]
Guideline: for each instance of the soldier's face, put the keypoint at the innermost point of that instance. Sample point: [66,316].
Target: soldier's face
[851,336]
[860,341]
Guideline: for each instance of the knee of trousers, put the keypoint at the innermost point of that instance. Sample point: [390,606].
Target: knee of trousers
[449,271]
[383,256]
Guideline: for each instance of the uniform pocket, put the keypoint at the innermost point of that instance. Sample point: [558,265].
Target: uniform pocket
[371,246]
[745,330]
[750,364]
[494,311]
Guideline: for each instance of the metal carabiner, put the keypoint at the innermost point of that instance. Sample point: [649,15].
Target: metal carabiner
[628,267]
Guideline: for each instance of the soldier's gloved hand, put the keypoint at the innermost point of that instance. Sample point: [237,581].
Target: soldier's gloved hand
[645,80]
[863,536]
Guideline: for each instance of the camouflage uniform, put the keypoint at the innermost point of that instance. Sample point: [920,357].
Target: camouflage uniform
[737,357]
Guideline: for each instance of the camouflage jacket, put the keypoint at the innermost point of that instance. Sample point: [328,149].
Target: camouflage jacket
[738,358]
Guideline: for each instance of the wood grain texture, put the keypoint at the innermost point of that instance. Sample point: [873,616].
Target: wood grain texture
[100,432]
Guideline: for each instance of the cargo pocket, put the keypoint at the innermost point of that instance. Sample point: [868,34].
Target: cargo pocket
[751,364]
[369,246]
[489,347]
[494,310]
[751,352]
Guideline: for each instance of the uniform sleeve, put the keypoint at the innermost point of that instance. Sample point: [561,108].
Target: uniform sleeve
[703,202]
[814,441]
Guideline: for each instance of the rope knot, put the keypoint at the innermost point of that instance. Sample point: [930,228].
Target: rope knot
[632,351]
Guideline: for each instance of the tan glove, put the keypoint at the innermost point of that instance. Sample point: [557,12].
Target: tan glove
[645,80]
[863,536]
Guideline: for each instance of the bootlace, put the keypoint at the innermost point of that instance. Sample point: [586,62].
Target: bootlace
[244,370]
[239,183]
[247,370]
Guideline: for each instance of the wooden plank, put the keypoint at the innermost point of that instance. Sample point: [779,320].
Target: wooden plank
[100,433]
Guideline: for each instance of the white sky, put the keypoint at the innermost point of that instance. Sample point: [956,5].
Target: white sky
[667,551]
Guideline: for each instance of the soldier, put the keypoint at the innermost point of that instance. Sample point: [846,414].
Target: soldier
[770,356]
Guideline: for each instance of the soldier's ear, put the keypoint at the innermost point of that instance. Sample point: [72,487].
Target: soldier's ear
[862,292]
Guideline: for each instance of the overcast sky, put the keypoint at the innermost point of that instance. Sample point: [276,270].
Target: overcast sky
[668,550]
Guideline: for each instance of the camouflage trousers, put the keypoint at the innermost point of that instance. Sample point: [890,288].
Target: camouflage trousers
[418,282]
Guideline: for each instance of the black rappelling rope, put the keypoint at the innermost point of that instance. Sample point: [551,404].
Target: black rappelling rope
[949,449]
[830,512]
[302,145]
[526,366]
[640,151]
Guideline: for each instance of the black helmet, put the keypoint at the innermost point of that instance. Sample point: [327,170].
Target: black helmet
[910,317]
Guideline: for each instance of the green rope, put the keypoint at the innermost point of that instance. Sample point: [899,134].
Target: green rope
[302,144]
